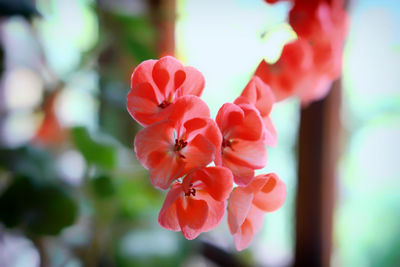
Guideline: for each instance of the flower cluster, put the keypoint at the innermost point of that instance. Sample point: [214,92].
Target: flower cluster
[309,65]
[180,143]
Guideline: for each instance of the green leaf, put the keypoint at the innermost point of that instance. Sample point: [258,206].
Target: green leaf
[31,161]
[95,152]
[103,187]
[43,210]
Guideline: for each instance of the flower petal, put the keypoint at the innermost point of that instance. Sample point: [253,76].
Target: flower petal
[168,217]
[242,175]
[164,74]
[295,62]
[154,150]
[193,84]
[238,208]
[260,95]
[272,194]
[188,107]
[229,115]
[198,153]
[243,236]
[206,127]
[167,167]
[156,85]
[252,154]
[249,228]
[240,121]
[192,215]
[271,136]
[252,126]
[143,72]
[143,105]
[157,137]
[243,157]
[216,181]
[256,217]
[216,210]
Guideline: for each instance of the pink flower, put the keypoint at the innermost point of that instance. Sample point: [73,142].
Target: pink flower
[310,64]
[324,25]
[260,95]
[198,203]
[286,76]
[188,139]
[247,205]
[243,149]
[157,84]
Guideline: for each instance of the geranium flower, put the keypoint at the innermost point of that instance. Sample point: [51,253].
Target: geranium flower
[243,149]
[297,72]
[188,139]
[286,76]
[260,95]
[275,1]
[247,205]
[324,25]
[157,84]
[310,64]
[198,203]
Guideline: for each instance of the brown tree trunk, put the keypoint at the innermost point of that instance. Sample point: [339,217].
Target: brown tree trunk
[163,13]
[318,151]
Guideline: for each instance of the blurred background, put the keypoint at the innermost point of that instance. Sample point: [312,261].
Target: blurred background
[71,190]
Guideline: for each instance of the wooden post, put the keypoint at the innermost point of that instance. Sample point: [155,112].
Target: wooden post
[318,151]
[163,14]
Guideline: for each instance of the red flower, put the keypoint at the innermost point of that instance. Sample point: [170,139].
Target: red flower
[260,95]
[247,205]
[157,84]
[273,1]
[243,149]
[188,139]
[286,76]
[51,132]
[198,203]
[324,25]
[309,65]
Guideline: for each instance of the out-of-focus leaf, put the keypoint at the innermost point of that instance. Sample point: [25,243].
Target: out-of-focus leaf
[95,152]
[137,248]
[14,201]
[103,187]
[137,196]
[140,37]
[30,161]
[137,34]
[39,209]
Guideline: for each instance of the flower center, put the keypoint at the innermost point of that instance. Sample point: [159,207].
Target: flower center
[191,191]
[179,144]
[164,104]
[226,143]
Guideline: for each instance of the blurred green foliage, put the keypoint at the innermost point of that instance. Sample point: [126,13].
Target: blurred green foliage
[95,152]
[103,187]
[112,195]
[31,161]
[39,209]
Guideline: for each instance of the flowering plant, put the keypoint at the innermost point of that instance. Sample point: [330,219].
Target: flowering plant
[180,141]
[309,64]
[198,159]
